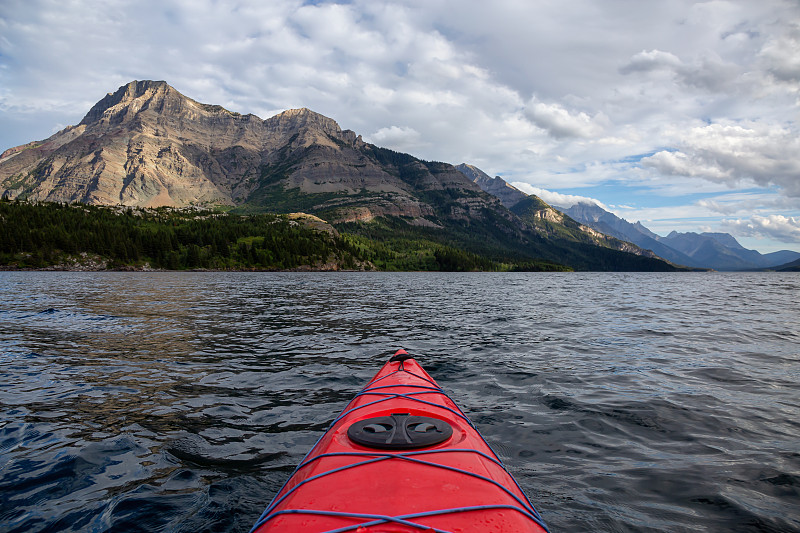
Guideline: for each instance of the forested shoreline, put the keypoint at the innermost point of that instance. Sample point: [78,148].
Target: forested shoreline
[56,236]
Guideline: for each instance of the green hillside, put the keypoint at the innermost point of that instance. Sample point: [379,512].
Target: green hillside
[77,236]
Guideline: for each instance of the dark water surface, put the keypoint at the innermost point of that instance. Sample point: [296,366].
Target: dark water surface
[182,401]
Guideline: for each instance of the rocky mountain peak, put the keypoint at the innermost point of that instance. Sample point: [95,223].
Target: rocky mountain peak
[726,239]
[154,98]
[294,120]
[131,93]
[587,212]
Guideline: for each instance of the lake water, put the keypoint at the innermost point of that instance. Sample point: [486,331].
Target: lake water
[182,401]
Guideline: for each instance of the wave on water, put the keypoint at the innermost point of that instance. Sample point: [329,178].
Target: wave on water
[183,401]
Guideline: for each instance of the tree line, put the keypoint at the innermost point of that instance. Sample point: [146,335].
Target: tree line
[46,235]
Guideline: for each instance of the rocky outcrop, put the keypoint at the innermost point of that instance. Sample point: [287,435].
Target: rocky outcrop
[17,149]
[550,222]
[313,222]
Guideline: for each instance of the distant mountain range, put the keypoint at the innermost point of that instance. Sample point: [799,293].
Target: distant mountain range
[717,251]
[722,252]
[148,145]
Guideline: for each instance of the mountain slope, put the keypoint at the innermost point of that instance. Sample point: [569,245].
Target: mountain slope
[601,220]
[147,145]
[548,220]
[780,259]
[793,266]
[139,146]
[497,186]
[543,218]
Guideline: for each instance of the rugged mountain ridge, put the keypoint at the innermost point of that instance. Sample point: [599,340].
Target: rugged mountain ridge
[607,223]
[148,145]
[546,219]
[719,251]
[497,186]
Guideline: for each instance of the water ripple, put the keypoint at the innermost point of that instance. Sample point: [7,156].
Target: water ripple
[181,402]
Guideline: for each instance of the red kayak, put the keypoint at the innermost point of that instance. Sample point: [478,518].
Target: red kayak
[402,457]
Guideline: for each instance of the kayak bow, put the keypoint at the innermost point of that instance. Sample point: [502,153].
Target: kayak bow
[401,457]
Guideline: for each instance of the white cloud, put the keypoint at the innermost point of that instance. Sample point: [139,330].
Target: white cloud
[561,123]
[781,55]
[648,61]
[744,203]
[709,71]
[555,198]
[736,154]
[777,227]
[395,137]
[723,208]
[681,164]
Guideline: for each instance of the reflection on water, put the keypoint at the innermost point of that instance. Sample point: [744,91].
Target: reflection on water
[178,402]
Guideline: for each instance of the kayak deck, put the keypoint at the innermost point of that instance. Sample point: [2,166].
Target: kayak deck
[401,457]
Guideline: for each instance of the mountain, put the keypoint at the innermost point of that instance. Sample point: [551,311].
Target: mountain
[148,145]
[707,250]
[793,266]
[719,251]
[536,213]
[497,186]
[601,220]
[722,251]
[781,259]
[769,260]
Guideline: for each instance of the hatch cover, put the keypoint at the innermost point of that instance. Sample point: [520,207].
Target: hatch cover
[399,431]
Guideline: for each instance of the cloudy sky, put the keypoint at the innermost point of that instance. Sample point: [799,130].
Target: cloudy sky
[682,114]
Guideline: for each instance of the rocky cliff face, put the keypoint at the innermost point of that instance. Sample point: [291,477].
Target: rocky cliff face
[144,145]
[148,145]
